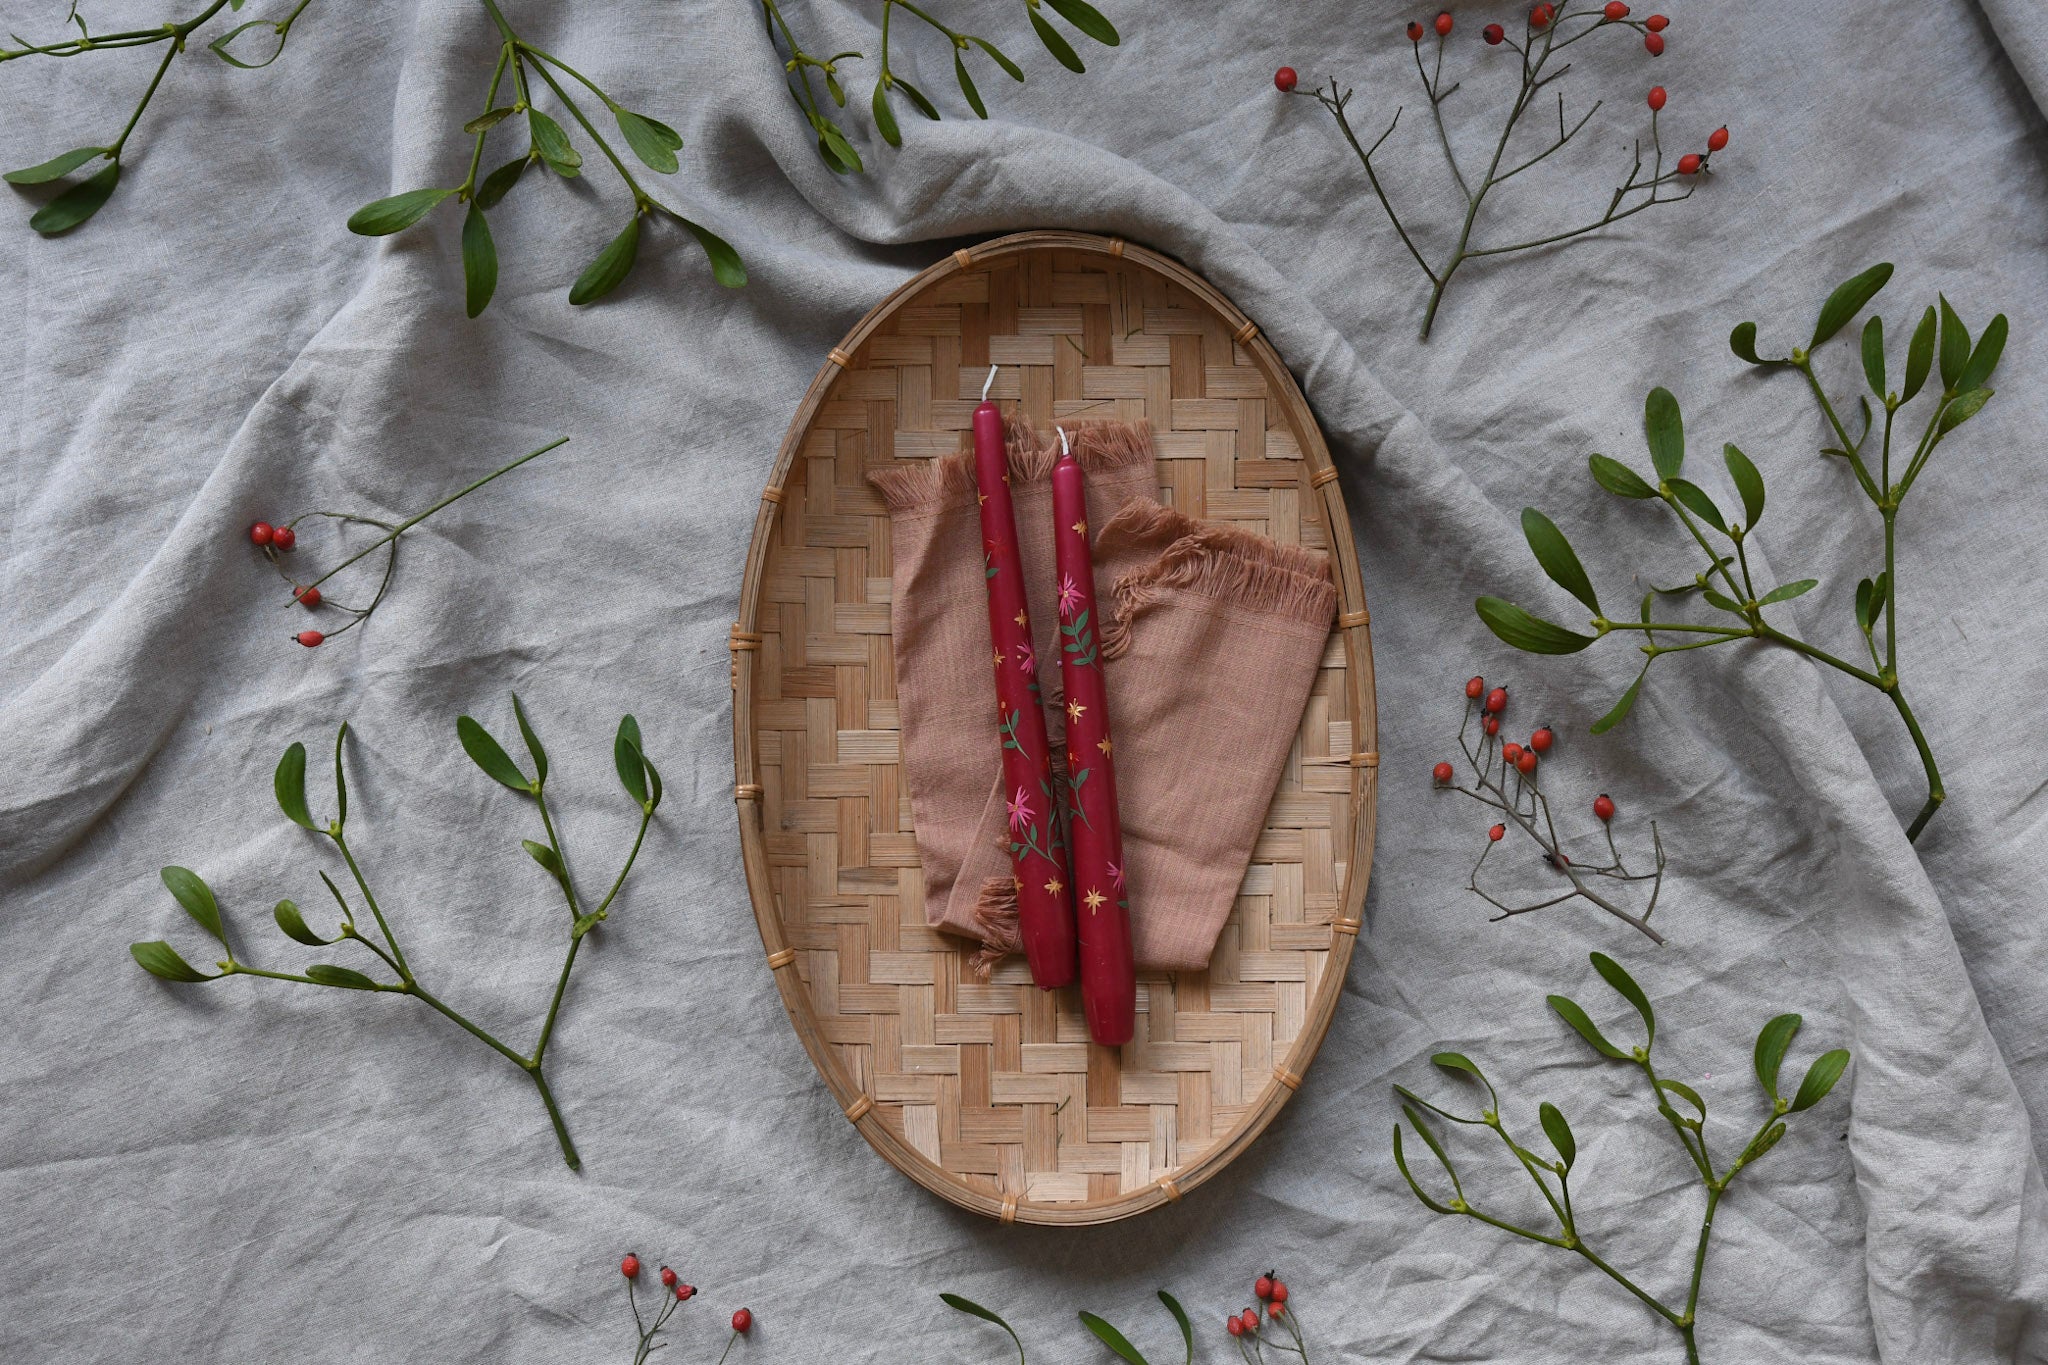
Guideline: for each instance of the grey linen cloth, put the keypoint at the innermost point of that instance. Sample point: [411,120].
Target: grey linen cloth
[251,1171]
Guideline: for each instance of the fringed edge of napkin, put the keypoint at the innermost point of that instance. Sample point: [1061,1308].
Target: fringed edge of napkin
[995,924]
[1212,560]
[938,483]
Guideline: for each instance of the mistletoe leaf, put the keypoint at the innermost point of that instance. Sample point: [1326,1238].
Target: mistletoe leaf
[499,183]
[1664,429]
[54,168]
[1847,301]
[78,203]
[967,86]
[885,117]
[1618,479]
[1749,484]
[1559,1132]
[1919,356]
[1621,708]
[1873,354]
[1787,591]
[294,925]
[190,890]
[1954,352]
[917,97]
[383,217]
[1820,1078]
[1525,632]
[1569,1011]
[655,144]
[553,144]
[479,261]
[1984,359]
[1058,46]
[1557,557]
[161,960]
[1180,1316]
[1695,498]
[1962,409]
[609,268]
[1401,1161]
[1010,68]
[290,786]
[1112,1338]
[1088,19]
[1771,1044]
[489,755]
[327,974]
[626,758]
[1613,974]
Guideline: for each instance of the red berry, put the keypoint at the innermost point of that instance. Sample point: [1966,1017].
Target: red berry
[308,598]
[684,1292]
[1542,740]
[1541,16]
[1285,78]
[284,537]
[1415,31]
[1689,164]
[1474,687]
[1717,139]
[1656,23]
[1526,764]
[1656,98]
[1263,1286]
[1250,1319]
[1497,700]
[260,533]
[1443,23]
[1233,1326]
[630,1267]
[1603,806]
[1493,33]
[1497,833]
[1442,773]
[310,638]
[1653,43]
[1510,751]
[742,1320]
[1276,1308]
[1615,10]
[1493,725]
[1279,1294]
[668,1277]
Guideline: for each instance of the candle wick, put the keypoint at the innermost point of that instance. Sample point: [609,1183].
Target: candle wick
[988,383]
[1065,449]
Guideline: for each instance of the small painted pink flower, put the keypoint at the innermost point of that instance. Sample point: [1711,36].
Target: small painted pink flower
[1070,597]
[1021,814]
[1027,661]
[1116,875]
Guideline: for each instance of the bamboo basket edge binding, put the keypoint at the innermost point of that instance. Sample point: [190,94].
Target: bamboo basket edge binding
[1319,484]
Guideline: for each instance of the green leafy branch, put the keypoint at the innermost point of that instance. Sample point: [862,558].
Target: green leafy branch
[1537,45]
[653,143]
[1108,1335]
[85,198]
[1726,583]
[641,781]
[802,69]
[1553,1177]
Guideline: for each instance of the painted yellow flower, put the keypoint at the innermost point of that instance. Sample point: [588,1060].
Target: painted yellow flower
[1094,899]
[1074,710]
[1104,744]
[1055,886]
[1081,527]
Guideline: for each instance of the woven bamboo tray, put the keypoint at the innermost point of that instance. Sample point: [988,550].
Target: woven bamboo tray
[990,1094]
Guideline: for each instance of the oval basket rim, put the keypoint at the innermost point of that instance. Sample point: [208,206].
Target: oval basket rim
[1353,627]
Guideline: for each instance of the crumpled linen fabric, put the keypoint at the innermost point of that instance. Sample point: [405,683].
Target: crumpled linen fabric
[251,1171]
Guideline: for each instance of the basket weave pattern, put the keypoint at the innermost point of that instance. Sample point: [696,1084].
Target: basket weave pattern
[990,1093]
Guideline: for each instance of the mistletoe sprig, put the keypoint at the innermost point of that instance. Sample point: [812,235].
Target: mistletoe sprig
[1553,1177]
[1940,344]
[653,143]
[85,198]
[1503,777]
[802,68]
[636,774]
[1103,1331]
[1547,32]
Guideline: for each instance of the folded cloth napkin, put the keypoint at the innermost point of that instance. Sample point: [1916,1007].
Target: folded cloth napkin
[1211,640]
[1211,637]
[938,621]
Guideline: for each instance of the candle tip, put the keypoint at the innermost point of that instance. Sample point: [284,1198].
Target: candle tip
[988,383]
[1065,449]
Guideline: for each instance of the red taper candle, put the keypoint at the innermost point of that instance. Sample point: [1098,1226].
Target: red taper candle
[1095,842]
[1045,906]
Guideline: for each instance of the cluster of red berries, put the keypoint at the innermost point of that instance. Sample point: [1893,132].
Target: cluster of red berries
[1692,163]
[630,1268]
[1271,1293]
[270,538]
[1521,757]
